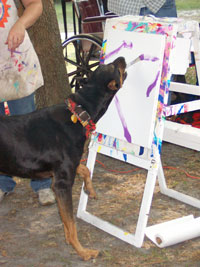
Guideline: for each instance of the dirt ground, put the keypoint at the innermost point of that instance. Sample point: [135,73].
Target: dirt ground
[32,235]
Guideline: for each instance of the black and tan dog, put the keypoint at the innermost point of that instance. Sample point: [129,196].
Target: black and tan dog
[50,141]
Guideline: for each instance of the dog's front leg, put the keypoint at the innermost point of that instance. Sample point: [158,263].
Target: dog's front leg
[64,200]
[84,172]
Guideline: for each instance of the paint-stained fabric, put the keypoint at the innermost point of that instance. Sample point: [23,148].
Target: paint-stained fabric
[133,7]
[20,72]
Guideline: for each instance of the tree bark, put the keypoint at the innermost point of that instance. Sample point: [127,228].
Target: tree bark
[46,40]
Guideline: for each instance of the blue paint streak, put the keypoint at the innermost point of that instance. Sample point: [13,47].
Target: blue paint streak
[117,144]
[133,26]
[114,144]
[125,157]
[161,99]
[141,150]
[181,108]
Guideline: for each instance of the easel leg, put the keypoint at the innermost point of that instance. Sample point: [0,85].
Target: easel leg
[145,207]
[84,197]
[134,239]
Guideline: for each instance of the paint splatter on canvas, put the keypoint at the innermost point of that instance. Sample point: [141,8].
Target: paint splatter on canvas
[131,110]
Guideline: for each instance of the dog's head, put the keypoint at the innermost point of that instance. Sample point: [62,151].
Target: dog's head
[96,95]
[112,75]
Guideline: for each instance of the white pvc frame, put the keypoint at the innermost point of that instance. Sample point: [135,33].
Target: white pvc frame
[154,170]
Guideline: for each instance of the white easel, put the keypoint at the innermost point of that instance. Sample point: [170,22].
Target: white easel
[150,160]
[183,135]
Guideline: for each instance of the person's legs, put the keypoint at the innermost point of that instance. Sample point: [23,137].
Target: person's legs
[145,11]
[167,10]
[22,106]
[18,107]
[7,184]
[37,185]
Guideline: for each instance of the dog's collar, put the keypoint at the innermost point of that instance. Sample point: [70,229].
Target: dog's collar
[81,115]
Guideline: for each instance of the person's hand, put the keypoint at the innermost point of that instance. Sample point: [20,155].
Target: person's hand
[15,36]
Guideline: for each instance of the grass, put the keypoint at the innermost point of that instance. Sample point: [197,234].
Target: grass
[59,14]
[191,76]
[187,4]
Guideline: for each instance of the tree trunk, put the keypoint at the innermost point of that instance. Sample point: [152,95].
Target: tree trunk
[45,37]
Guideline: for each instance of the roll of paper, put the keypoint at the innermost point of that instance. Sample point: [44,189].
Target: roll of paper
[174,231]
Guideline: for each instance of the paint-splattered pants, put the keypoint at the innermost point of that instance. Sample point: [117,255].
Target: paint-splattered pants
[17,107]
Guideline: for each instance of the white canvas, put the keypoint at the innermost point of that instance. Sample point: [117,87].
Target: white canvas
[131,115]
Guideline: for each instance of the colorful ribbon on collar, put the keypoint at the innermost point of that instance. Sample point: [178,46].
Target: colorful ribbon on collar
[81,115]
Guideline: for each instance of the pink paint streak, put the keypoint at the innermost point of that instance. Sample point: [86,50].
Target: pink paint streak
[186,107]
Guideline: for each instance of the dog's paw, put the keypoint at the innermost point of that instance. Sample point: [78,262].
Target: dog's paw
[91,193]
[88,254]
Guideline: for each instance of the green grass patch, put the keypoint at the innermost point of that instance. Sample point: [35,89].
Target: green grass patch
[190,76]
[59,15]
[187,4]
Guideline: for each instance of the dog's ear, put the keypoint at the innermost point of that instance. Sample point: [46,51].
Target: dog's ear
[113,85]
